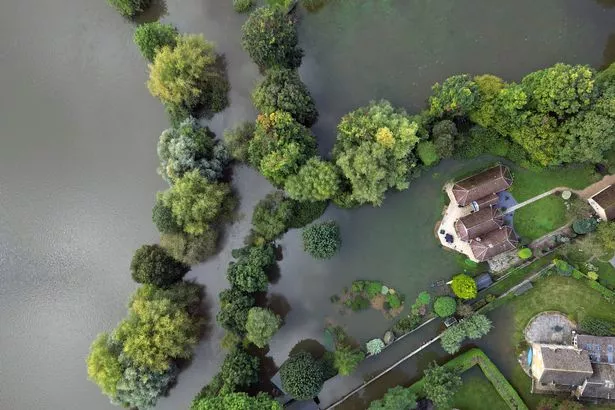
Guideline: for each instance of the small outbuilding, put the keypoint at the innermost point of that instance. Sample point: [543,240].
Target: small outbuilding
[479,223]
[604,203]
[483,281]
[482,185]
[494,243]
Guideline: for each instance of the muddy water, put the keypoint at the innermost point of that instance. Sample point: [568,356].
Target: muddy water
[78,133]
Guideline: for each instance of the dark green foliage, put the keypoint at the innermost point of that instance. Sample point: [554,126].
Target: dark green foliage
[153,265]
[234,308]
[306,212]
[347,359]
[322,240]
[130,8]
[444,135]
[317,180]
[584,226]
[373,288]
[239,368]
[445,306]
[393,300]
[190,249]
[163,218]
[237,140]
[327,363]
[396,398]
[150,37]
[271,216]
[423,298]
[302,376]
[249,272]
[406,324]
[357,303]
[426,150]
[270,38]
[283,90]
[473,327]
[441,384]
[237,401]
[455,96]
[597,327]
[243,6]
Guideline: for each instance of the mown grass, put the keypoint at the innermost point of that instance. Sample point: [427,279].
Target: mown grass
[529,183]
[541,217]
[477,393]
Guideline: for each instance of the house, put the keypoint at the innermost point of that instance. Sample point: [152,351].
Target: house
[479,223]
[604,203]
[494,243]
[482,187]
[600,348]
[559,365]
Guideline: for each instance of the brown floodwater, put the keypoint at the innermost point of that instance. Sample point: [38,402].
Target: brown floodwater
[78,132]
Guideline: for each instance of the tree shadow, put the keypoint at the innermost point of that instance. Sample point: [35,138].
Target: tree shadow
[219,97]
[608,55]
[279,305]
[274,274]
[154,12]
[311,346]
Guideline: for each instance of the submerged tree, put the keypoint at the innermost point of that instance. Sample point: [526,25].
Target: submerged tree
[261,325]
[317,180]
[441,384]
[302,376]
[153,265]
[396,398]
[322,240]
[151,37]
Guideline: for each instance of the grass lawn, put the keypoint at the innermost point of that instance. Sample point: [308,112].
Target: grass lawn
[528,183]
[518,275]
[606,273]
[477,393]
[541,217]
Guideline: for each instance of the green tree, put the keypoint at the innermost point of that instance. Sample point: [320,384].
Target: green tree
[283,90]
[441,384]
[374,151]
[249,272]
[189,76]
[271,216]
[196,202]
[317,180]
[191,147]
[240,368]
[190,249]
[151,37]
[243,6]
[163,218]
[306,212]
[261,325]
[322,240]
[464,286]
[270,38]
[455,96]
[237,140]
[152,264]
[584,226]
[444,135]
[605,235]
[426,150]
[396,398]
[280,146]
[302,376]
[234,307]
[140,387]
[104,367]
[237,401]
[488,88]
[130,8]
[445,306]
[346,359]
[476,326]
[452,338]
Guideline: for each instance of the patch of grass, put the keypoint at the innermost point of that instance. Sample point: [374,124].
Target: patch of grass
[529,183]
[541,217]
[606,273]
[519,274]
[477,393]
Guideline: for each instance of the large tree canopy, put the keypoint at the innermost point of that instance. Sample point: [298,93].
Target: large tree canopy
[302,376]
[152,264]
[441,384]
[374,150]
[261,325]
[151,37]
[317,180]
[455,96]
[396,398]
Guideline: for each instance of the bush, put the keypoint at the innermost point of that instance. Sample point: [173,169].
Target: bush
[271,216]
[346,359]
[357,303]
[525,253]
[426,151]
[445,306]
[423,298]
[473,327]
[406,324]
[302,377]
[270,38]
[237,140]
[464,310]
[151,37]
[441,384]
[374,346]
[243,6]
[584,226]
[444,135]
[261,325]
[373,288]
[322,240]
[239,368]
[190,249]
[464,286]
[396,398]
[597,327]
[153,265]
[605,235]
[592,275]
[130,8]
[393,300]
[306,212]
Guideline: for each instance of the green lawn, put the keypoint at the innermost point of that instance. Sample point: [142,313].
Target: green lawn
[528,183]
[477,393]
[541,217]
[518,275]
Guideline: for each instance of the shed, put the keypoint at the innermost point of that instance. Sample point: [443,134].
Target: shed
[523,288]
[479,223]
[483,281]
[604,203]
[481,185]
[494,243]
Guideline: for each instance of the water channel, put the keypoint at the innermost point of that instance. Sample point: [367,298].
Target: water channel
[78,134]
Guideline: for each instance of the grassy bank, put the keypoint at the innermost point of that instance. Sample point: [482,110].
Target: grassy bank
[529,183]
[541,217]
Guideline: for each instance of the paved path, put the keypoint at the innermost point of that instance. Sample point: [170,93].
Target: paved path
[529,201]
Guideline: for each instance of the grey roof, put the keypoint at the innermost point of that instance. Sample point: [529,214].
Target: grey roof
[483,281]
[601,384]
[523,288]
[600,348]
[606,200]
[479,223]
[489,181]
[494,243]
[564,365]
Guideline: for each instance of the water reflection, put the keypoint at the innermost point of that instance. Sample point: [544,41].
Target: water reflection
[609,51]
[155,12]
[279,304]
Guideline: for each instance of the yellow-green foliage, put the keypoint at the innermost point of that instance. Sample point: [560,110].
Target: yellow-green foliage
[104,367]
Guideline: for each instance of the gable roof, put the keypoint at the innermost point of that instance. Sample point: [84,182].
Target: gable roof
[479,223]
[600,348]
[489,181]
[494,243]
[606,200]
[563,365]
[601,385]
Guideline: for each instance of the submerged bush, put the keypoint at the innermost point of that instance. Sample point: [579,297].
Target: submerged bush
[151,37]
[302,376]
[243,6]
[445,306]
[152,264]
[322,240]
[374,346]
[130,8]
[306,212]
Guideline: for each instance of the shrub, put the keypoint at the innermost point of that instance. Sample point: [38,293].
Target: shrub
[424,298]
[261,325]
[130,8]
[302,377]
[270,38]
[393,300]
[445,306]
[464,286]
[189,76]
[441,384]
[396,398]
[151,37]
[525,253]
[271,216]
[444,135]
[577,274]
[236,401]
[357,303]
[373,288]
[322,240]
[374,346]
[306,212]
[346,359]
[464,310]
[243,6]
[239,368]
[163,218]
[406,324]
[584,226]
[592,275]
[237,140]
[605,235]
[152,264]
[427,152]
[597,327]
[190,249]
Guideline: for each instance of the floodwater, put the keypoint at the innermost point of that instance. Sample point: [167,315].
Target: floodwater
[78,134]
